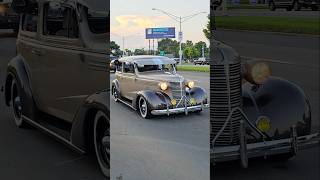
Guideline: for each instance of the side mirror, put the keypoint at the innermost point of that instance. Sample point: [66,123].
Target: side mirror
[23,6]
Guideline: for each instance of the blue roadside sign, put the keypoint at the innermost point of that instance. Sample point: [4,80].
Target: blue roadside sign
[160,33]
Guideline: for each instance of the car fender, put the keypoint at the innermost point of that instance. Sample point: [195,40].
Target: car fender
[155,99]
[199,94]
[19,69]
[82,126]
[282,102]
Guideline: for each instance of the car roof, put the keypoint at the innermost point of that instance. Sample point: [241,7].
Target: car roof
[147,60]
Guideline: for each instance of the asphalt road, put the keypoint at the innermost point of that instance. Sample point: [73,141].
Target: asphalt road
[305,13]
[174,147]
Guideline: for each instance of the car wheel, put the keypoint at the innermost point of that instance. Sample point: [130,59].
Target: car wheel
[297,6]
[143,108]
[16,104]
[272,6]
[102,142]
[115,94]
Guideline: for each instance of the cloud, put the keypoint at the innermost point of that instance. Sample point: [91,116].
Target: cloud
[133,24]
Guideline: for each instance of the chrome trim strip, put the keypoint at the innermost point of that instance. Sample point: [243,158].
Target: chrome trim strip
[50,132]
[126,103]
[225,153]
[179,110]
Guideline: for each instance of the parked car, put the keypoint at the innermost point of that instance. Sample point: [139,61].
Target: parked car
[151,85]
[201,61]
[58,82]
[254,114]
[112,64]
[294,4]
[8,18]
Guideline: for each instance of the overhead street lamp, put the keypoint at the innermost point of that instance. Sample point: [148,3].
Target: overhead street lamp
[180,20]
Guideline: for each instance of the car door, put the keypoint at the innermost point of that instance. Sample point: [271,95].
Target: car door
[128,81]
[64,79]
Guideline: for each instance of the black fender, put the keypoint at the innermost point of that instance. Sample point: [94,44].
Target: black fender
[283,102]
[19,69]
[155,99]
[82,127]
[199,94]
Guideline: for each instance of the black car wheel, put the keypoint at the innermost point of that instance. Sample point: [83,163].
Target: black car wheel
[102,142]
[115,94]
[16,104]
[296,6]
[143,108]
[272,6]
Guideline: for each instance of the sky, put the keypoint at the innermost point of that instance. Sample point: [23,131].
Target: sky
[129,18]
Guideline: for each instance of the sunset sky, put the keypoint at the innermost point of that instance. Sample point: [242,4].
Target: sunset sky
[129,18]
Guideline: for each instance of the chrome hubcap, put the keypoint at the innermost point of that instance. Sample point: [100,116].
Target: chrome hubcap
[143,107]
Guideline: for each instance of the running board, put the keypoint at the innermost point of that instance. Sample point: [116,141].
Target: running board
[53,134]
[127,103]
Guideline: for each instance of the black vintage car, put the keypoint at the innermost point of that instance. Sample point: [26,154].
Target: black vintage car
[294,4]
[254,114]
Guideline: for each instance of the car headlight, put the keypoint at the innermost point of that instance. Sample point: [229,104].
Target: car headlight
[163,86]
[190,84]
[258,73]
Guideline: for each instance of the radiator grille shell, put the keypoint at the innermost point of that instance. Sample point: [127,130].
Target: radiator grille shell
[225,94]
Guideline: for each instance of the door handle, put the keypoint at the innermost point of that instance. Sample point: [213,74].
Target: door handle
[36,52]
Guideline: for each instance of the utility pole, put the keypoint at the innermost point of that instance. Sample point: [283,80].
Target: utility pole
[180,20]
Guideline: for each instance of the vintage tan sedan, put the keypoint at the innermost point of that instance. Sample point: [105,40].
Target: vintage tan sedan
[151,85]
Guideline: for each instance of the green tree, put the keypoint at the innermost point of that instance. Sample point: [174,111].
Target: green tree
[207,30]
[169,46]
[115,49]
[140,51]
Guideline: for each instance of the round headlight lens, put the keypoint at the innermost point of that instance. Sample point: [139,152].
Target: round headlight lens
[260,73]
[191,84]
[163,86]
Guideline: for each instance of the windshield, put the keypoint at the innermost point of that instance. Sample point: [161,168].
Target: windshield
[165,68]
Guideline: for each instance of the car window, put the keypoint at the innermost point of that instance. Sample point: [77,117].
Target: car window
[128,68]
[30,20]
[60,21]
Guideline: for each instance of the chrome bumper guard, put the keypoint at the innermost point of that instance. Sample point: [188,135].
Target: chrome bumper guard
[244,151]
[179,110]
[264,149]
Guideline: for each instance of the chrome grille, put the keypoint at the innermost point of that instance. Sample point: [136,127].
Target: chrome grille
[177,90]
[220,76]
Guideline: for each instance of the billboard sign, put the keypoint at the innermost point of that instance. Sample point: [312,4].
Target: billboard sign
[160,33]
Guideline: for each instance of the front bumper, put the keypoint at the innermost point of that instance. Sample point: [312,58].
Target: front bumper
[264,149]
[179,110]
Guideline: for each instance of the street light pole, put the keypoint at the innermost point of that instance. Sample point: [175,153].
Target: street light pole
[180,20]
